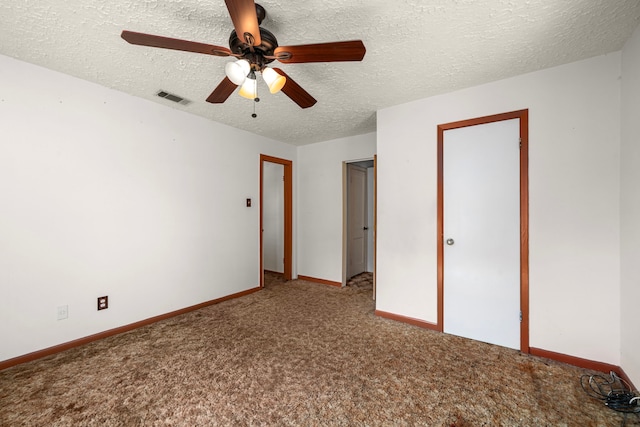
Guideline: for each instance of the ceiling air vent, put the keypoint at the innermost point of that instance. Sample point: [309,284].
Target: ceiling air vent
[172,97]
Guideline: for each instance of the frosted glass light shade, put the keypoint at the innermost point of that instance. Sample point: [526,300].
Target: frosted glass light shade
[237,71]
[274,80]
[249,89]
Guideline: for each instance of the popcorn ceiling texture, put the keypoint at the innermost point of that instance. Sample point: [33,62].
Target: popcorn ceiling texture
[415,49]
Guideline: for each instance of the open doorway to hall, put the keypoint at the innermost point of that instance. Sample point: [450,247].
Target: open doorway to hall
[276,230]
[273,222]
[359,224]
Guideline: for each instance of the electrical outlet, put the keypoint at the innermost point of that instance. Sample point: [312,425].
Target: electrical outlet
[103,302]
[63,312]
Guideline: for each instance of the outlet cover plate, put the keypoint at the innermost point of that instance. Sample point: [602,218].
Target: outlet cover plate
[103,302]
[63,312]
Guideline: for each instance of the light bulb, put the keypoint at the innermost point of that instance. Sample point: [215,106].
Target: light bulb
[274,80]
[248,89]
[237,71]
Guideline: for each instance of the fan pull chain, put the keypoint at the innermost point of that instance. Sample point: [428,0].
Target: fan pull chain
[256,100]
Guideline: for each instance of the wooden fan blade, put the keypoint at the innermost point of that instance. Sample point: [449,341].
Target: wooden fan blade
[245,20]
[222,92]
[294,91]
[175,44]
[353,50]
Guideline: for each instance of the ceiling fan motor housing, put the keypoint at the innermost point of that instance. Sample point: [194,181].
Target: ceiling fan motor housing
[255,54]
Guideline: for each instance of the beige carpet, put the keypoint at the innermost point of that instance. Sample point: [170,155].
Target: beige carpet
[294,354]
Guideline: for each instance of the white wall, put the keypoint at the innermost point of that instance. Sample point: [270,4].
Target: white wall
[273,217]
[102,193]
[630,208]
[574,156]
[319,196]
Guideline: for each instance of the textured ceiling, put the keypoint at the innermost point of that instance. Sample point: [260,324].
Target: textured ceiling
[415,49]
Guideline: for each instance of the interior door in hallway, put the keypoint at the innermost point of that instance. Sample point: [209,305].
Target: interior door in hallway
[481,197]
[357,220]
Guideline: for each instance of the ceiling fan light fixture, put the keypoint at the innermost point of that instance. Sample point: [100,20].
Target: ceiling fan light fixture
[237,71]
[251,48]
[274,80]
[249,88]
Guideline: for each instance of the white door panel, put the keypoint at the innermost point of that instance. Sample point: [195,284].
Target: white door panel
[481,179]
[357,220]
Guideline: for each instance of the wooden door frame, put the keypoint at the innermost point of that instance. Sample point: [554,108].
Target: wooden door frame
[288,214]
[349,168]
[345,219]
[523,115]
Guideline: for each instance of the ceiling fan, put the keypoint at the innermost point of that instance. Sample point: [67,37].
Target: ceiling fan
[254,47]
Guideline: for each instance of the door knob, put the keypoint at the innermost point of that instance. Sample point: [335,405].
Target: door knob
[365,228]
[450,242]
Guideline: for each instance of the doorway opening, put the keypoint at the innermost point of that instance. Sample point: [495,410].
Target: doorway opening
[463,277]
[358,249]
[276,218]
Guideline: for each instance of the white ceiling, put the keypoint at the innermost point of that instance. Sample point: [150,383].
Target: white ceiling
[415,49]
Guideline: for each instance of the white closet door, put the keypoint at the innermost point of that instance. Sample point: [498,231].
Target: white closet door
[481,179]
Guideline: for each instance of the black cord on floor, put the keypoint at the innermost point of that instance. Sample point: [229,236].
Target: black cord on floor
[615,392]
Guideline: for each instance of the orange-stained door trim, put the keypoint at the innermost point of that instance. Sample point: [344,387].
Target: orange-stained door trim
[523,115]
[288,214]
